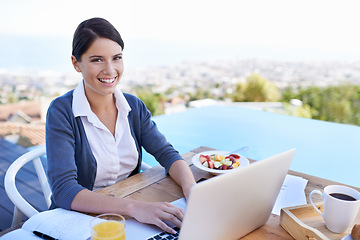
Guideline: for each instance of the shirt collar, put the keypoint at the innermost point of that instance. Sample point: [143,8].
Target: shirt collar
[81,106]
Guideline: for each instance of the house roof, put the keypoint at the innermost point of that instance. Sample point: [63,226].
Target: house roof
[19,116]
[30,108]
[34,132]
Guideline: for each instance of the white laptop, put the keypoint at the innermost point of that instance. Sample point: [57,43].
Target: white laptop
[227,206]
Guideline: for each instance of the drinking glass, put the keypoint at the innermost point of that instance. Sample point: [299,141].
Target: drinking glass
[108,226]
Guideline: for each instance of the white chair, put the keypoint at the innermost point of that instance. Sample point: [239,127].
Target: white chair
[21,205]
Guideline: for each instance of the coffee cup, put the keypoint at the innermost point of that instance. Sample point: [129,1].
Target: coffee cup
[340,205]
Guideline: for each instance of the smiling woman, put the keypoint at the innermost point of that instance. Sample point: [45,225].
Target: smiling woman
[95,133]
[101,66]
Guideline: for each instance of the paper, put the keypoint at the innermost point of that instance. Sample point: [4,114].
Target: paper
[292,193]
[20,234]
[58,223]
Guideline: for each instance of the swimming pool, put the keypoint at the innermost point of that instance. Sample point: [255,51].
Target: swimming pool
[324,149]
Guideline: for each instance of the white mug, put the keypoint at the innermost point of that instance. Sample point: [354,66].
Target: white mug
[339,214]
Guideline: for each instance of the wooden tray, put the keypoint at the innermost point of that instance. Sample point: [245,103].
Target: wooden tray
[303,222]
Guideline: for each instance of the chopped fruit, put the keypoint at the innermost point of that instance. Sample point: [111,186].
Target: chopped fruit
[235,156]
[226,162]
[235,165]
[219,157]
[205,156]
[202,159]
[220,162]
[206,164]
[211,164]
[217,164]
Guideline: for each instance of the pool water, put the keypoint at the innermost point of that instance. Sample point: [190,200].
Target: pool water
[324,149]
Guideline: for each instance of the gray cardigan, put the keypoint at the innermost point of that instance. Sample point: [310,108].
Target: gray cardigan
[71,164]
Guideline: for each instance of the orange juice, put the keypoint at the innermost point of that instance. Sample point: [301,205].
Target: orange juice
[108,230]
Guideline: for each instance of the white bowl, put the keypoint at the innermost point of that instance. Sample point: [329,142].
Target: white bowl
[196,161]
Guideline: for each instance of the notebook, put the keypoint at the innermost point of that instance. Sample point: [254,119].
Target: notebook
[227,206]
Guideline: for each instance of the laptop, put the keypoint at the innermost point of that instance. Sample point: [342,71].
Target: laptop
[227,206]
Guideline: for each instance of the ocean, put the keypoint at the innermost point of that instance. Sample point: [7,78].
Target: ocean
[52,53]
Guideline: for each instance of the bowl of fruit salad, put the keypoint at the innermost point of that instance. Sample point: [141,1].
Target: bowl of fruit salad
[218,162]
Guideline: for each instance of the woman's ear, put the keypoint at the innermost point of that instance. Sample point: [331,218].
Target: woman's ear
[75,63]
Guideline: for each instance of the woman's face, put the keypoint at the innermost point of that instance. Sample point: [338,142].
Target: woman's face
[101,66]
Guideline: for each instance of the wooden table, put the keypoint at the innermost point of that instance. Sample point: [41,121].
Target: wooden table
[154,185]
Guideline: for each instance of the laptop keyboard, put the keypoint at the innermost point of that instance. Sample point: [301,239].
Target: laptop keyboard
[165,235]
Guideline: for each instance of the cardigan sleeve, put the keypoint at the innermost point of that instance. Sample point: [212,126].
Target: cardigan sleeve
[60,148]
[153,141]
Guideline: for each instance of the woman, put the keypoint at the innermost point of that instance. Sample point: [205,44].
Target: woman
[94,135]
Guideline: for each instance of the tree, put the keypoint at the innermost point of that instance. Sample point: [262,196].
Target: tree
[303,111]
[154,102]
[200,94]
[256,89]
[332,103]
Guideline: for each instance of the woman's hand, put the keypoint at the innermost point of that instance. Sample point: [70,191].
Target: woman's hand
[158,213]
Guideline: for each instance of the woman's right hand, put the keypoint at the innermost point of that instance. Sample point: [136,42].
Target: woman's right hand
[157,213]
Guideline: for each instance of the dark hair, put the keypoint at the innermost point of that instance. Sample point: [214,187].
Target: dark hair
[89,30]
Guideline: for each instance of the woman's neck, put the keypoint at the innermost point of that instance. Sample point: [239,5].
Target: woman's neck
[99,102]
[104,107]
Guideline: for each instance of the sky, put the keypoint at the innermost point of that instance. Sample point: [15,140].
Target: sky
[326,27]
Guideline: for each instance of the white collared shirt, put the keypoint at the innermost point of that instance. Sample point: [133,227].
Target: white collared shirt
[116,156]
